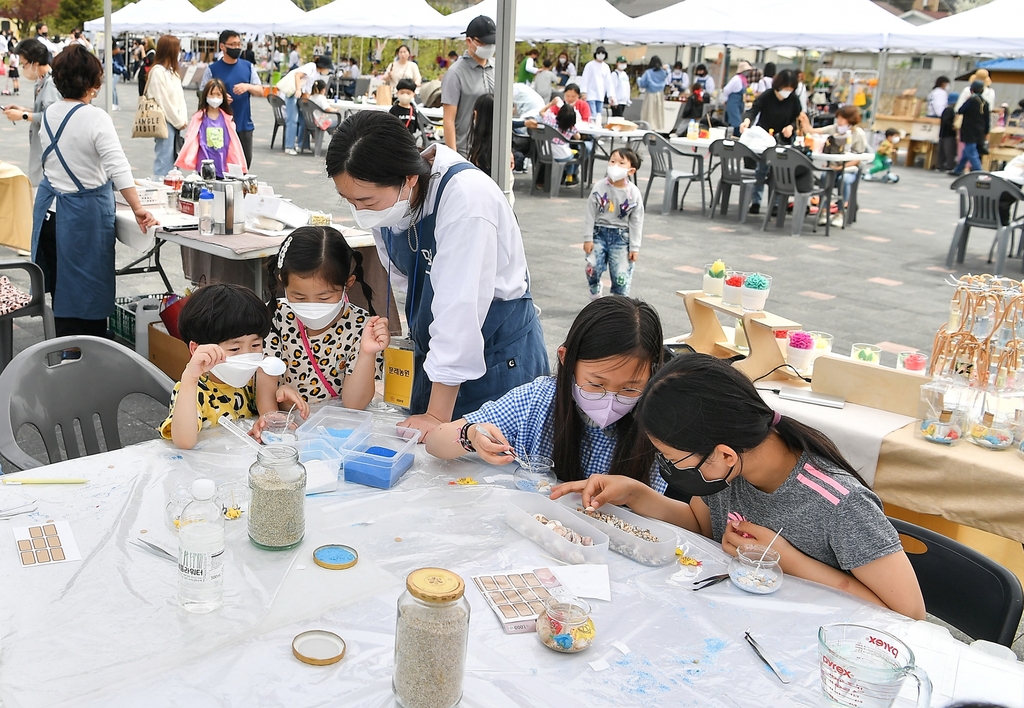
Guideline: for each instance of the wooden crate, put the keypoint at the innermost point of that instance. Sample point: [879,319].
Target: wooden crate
[906,106]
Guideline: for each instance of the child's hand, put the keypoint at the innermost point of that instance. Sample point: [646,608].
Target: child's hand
[760,535]
[376,336]
[288,396]
[588,247]
[204,358]
[634,256]
[490,451]
[600,489]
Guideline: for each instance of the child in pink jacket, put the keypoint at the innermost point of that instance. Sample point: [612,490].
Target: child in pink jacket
[211,133]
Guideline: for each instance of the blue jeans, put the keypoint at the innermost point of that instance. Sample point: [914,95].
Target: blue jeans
[113,88]
[611,251]
[595,107]
[291,121]
[163,153]
[761,175]
[971,155]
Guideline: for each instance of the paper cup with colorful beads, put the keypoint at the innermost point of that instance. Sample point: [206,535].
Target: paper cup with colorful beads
[732,288]
[755,291]
[867,353]
[912,360]
[800,351]
[714,278]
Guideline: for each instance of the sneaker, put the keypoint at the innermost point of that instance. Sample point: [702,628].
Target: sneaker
[594,296]
[954,173]
[837,221]
[754,209]
[822,218]
[115,108]
[290,151]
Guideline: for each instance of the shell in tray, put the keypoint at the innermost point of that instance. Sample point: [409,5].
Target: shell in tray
[625,543]
[520,516]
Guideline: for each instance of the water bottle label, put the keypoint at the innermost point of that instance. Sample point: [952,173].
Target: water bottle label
[200,567]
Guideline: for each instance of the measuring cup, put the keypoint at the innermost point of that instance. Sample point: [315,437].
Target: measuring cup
[862,667]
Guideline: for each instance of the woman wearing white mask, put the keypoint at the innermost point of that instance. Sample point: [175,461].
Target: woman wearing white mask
[449,238]
[846,126]
[777,111]
[35,66]
[332,348]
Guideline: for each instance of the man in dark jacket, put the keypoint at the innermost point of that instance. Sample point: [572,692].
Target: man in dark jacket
[973,129]
[947,136]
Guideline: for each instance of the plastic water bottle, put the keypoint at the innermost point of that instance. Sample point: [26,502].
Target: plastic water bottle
[206,213]
[692,130]
[201,551]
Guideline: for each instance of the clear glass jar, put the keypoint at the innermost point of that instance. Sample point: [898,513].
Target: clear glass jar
[756,569]
[431,638]
[565,625]
[535,475]
[277,508]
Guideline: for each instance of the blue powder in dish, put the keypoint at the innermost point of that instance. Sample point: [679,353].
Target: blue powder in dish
[335,555]
[380,451]
[339,433]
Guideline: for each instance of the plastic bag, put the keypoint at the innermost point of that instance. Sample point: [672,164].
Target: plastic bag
[757,139]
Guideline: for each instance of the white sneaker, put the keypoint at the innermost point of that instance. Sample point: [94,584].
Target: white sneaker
[289,151]
[837,221]
[595,296]
[116,108]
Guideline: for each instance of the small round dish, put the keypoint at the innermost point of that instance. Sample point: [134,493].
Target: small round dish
[335,556]
[318,647]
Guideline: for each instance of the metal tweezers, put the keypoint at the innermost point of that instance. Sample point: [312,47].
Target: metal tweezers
[761,655]
[154,549]
[709,581]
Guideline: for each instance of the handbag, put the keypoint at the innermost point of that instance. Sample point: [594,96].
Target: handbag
[286,86]
[11,297]
[150,120]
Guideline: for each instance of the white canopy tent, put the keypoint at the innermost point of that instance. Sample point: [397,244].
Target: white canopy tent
[152,16]
[248,16]
[994,28]
[549,20]
[392,18]
[834,25]
[117,19]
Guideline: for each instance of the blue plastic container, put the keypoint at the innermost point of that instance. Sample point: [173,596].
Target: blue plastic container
[381,458]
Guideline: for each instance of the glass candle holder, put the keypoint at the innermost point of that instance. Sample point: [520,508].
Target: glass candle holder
[867,353]
[800,350]
[822,343]
[565,625]
[732,289]
[756,570]
[755,291]
[714,278]
[912,361]
[992,431]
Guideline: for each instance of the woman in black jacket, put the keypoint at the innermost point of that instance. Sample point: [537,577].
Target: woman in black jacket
[974,129]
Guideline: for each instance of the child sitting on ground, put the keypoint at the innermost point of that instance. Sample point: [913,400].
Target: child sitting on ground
[218,322]
[211,133]
[405,110]
[613,224]
[885,154]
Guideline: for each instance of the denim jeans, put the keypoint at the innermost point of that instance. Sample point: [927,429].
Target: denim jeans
[291,121]
[611,251]
[595,107]
[113,89]
[163,153]
[971,155]
[761,175]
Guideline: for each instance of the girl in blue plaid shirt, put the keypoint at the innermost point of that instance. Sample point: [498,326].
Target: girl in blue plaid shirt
[582,417]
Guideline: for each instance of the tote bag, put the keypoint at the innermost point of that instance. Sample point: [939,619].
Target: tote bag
[150,121]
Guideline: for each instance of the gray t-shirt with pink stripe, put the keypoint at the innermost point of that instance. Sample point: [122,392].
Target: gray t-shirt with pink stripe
[823,512]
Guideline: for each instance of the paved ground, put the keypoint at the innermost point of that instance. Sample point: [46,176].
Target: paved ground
[881,281]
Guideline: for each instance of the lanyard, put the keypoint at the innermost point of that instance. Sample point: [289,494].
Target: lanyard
[312,360]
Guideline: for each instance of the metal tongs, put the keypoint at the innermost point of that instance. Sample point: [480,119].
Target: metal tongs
[709,581]
[154,549]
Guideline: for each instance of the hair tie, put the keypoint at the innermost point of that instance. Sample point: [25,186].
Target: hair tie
[283,251]
[776,418]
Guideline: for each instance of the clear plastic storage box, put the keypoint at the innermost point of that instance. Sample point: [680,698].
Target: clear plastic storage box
[381,456]
[341,428]
[519,516]
[633,547]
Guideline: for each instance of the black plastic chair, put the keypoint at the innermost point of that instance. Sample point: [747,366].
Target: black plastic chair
[543,137]
[280,117]
[51,393]
[314,134]
[36,307]
[661,152]
[428,131]
[789,170]
[732,155]
[973,593]
[980,197]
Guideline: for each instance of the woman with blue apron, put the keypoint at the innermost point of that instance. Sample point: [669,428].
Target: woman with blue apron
[448,236]
[734,92]
[73,231]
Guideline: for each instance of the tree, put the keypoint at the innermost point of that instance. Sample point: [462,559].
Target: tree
[75,13]
[27,12]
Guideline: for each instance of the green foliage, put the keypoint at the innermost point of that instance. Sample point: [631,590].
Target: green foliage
[75,13]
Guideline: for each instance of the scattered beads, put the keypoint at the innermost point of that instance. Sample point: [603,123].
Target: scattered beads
[618,523]
[542,486]
[463,480]
[564,531]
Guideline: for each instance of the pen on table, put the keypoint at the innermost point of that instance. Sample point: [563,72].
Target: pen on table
[43,480]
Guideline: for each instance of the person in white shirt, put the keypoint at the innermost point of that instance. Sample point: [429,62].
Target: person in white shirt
[801,91]
[938,99]
[596,84]
[449,238]
[164,87]
[526,103]
[402,68]
[702,77]
[299,84]
[565,70]
[733,92]
[73,231]
[765,82]
[988,94]
[620,84]
[4,44]
[293,58]
[679,79]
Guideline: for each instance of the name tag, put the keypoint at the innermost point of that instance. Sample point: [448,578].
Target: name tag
[398,373]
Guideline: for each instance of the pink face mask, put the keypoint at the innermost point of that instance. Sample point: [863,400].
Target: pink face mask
[604,411]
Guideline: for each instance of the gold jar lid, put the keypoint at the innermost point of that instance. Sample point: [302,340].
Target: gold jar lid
[435,585]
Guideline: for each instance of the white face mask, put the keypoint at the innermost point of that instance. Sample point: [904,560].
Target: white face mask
[317,315]
[784,94]
[895,139]
[373,219]
[237,370]
[404,100]
[842,129]
[485,51]
[621,67]
[600,57]
[616,172]
[214,102]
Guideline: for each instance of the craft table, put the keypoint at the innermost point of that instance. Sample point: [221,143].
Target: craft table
[106,631]
[600,151]
[347,107]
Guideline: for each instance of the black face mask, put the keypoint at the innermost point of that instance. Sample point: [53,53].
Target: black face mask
[233,52]
[689,481]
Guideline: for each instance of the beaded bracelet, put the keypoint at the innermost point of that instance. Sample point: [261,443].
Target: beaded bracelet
[464,438]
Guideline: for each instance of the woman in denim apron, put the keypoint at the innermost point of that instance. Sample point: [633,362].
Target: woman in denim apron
[449,238]
[73,219]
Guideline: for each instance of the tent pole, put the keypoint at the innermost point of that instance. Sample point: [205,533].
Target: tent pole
[108,59]
[501,145]
[883,62]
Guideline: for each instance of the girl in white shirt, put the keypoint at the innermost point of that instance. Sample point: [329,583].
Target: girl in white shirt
[164,87]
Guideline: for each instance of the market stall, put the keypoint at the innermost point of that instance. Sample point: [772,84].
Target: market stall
[248,16]
[152,16]
[392,18]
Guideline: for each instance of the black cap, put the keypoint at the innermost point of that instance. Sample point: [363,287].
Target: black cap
[324,63]
[977,86]
[482,29]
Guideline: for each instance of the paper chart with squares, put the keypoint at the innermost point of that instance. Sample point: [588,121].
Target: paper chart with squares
[517,598]
[46,544]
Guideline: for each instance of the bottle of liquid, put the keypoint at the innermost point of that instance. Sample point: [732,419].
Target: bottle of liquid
[206,213]
[201,551]
[692,131]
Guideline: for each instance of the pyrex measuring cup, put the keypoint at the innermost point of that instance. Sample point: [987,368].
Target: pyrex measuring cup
[862,667]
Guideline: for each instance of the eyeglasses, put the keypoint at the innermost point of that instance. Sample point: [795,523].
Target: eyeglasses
[595,392]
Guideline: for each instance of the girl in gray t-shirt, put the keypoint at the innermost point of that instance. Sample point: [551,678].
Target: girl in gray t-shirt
[749,472]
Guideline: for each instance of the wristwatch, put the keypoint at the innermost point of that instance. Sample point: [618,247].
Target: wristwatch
[24,116]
